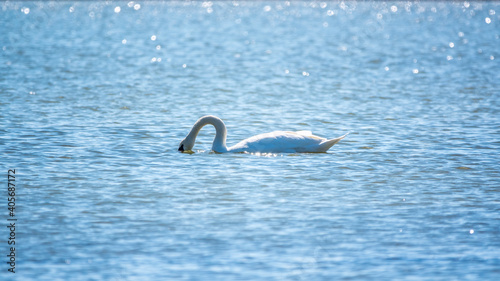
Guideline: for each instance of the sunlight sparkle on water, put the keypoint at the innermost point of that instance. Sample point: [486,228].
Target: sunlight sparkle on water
[207,4]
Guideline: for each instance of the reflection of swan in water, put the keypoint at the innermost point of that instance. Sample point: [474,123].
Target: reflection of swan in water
[278,141]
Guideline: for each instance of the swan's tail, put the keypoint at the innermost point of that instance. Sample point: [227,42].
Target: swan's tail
[324,146]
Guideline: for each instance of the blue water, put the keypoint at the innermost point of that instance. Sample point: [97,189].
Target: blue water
[95,98]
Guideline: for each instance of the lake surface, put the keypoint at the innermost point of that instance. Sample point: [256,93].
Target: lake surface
[95,98]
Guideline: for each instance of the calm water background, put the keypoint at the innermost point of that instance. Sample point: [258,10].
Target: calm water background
[95,98]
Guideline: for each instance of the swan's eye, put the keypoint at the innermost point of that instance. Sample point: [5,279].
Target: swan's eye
[181,148]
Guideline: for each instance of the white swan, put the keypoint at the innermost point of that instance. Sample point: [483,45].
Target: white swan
[275,142]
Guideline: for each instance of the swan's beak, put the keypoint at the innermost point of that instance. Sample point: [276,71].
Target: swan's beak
[181,148]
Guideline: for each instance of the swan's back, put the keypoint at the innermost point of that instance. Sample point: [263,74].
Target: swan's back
[285,142]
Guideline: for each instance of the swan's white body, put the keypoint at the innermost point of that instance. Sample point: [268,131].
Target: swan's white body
[274,142]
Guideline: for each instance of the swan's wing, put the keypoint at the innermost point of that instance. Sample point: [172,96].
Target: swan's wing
[304,133]
[278,141]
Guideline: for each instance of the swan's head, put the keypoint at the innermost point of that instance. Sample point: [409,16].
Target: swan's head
[186,144]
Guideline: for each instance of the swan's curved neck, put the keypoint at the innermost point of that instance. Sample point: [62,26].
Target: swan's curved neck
[219,144]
